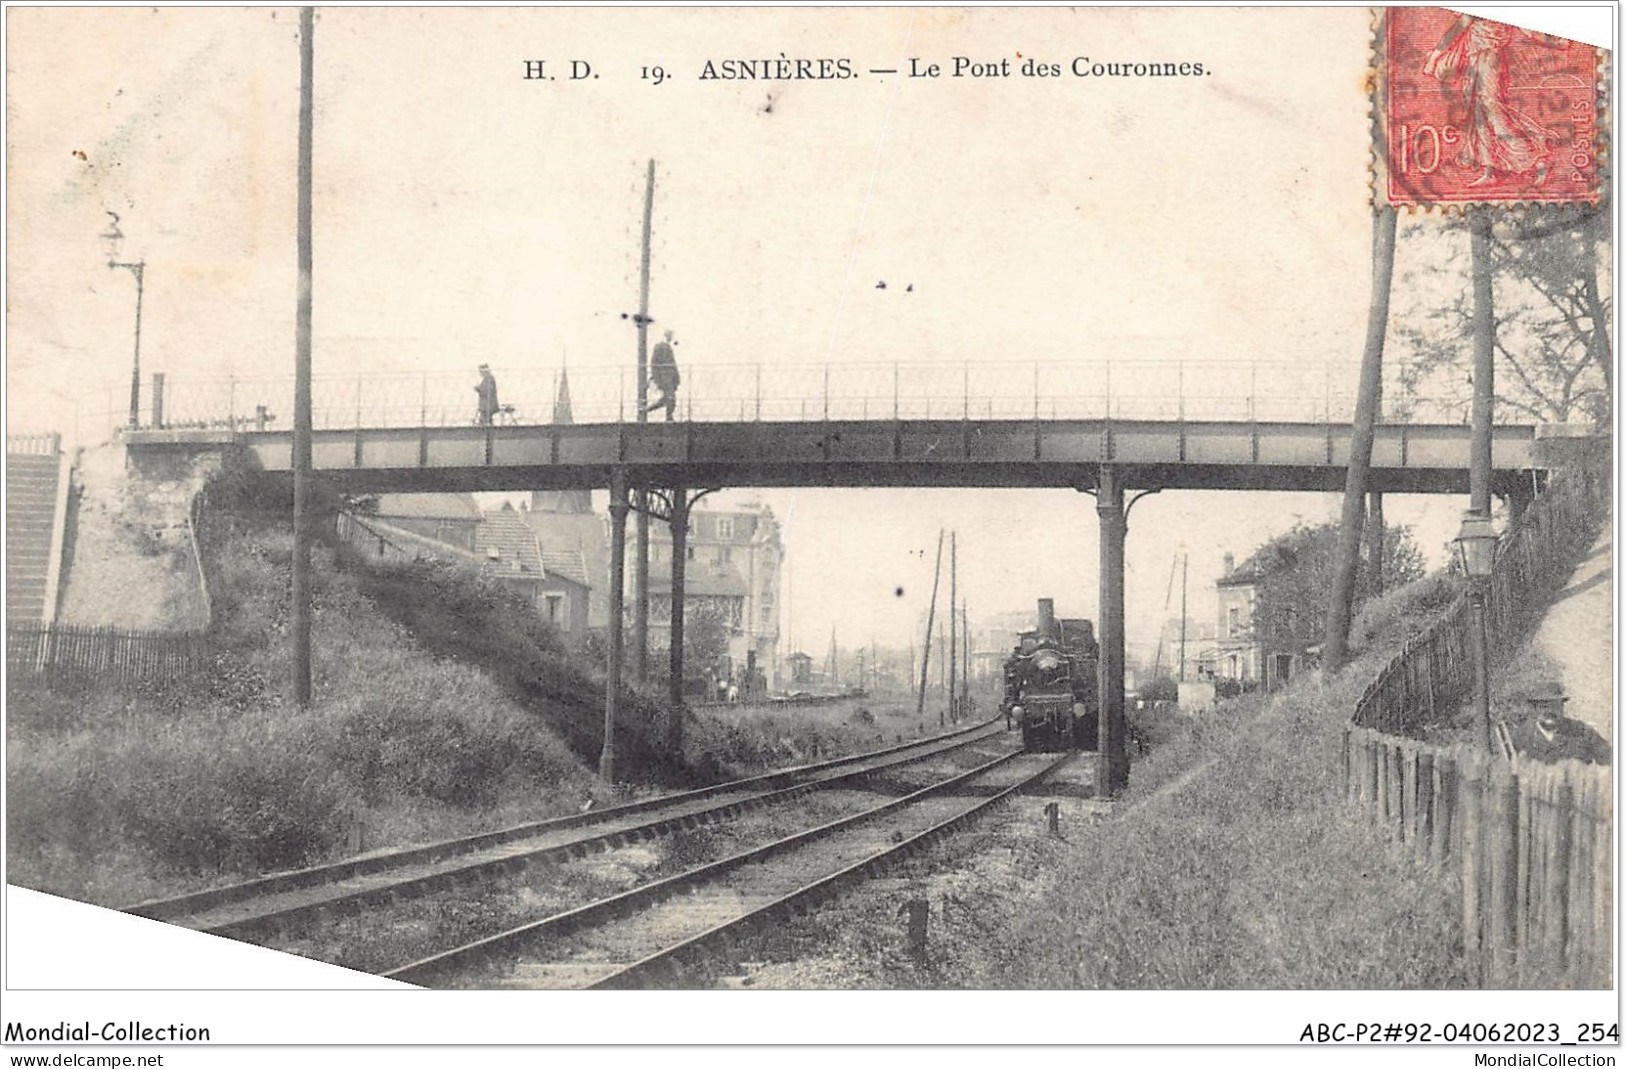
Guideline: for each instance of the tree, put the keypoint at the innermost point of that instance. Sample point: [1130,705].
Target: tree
[706,626]
[1295,573]
[1552,318]
[705,634]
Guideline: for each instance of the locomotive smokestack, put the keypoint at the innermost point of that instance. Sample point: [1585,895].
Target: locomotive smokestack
[1046,619]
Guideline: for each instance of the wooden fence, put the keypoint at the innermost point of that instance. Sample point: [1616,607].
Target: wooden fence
[62,652]
[1435,671]
[1531,842]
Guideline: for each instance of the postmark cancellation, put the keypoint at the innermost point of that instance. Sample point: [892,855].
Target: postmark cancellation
[1472,111]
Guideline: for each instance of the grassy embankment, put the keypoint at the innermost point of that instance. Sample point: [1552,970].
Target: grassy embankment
[1231,862]
[114,797]
[442,706]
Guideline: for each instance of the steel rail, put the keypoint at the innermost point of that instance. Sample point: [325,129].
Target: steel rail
[670,961]
[172,909]
[608,909]
[409,887]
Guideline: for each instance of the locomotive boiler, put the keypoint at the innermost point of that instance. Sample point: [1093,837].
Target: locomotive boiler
[1050,687]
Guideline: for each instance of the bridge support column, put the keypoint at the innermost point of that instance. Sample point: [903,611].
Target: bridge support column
[679,567]
[619,506]
[640,592]
[1113,722]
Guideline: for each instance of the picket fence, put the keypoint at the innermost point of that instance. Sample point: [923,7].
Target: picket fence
[119,656]
[1531,842]
[64,652]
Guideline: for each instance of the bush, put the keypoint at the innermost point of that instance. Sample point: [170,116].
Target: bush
[1159,689]
[177,783]
[1224,687]
[1399,613]
[203,798]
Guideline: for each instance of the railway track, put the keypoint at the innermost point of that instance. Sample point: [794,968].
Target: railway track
[262,907]
[651,934]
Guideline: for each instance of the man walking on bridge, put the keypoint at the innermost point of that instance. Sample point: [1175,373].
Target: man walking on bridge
[487,389]
[663,373]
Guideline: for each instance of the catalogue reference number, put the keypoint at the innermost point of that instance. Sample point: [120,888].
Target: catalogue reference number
[1454,1032]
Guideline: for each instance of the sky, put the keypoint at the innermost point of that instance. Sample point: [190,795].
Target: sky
[465,215]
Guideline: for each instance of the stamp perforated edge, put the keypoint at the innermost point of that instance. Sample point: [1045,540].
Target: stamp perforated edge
[1377,87]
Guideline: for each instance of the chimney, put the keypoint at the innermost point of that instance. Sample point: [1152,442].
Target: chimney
[1229,563]
[1046,619]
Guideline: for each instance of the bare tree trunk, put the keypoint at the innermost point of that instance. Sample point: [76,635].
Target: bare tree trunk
[1340,612]
[1375,534]
[1598,346]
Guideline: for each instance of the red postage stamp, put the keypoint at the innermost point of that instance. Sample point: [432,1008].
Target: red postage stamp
[1477,111]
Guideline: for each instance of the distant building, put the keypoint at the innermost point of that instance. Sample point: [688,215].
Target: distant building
[499,543]
[1197,643]
[572,535]
[1243,654]
[570,532]
[448,518]
[734,561]
[1240,653]
[555,581]
[801,673]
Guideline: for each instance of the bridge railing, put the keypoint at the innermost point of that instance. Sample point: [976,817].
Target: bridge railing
[1188,390]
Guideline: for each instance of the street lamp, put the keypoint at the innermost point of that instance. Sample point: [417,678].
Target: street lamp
[111,240]
[1475,553]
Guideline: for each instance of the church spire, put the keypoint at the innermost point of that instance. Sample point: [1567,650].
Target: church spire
[561,399]
[572,501]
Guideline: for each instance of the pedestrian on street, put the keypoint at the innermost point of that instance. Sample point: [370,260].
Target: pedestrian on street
[487,390]
[663,374]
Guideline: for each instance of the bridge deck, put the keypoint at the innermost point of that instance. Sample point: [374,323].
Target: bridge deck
[956,452]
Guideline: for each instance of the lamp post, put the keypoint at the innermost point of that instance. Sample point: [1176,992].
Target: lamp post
[111,240]
[1475,553]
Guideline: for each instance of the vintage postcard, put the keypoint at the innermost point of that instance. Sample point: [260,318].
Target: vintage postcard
[1038,525]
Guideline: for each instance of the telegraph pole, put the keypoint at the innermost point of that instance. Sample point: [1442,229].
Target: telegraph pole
[964,661]
[930,618]
[301,369]
[1184,589]
[640,571]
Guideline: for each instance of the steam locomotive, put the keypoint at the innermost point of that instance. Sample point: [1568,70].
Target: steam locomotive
[1050,686]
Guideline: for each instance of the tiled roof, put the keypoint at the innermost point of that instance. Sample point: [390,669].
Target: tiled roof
[516,550]
[1249,571]
[580,536]
[566,563]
